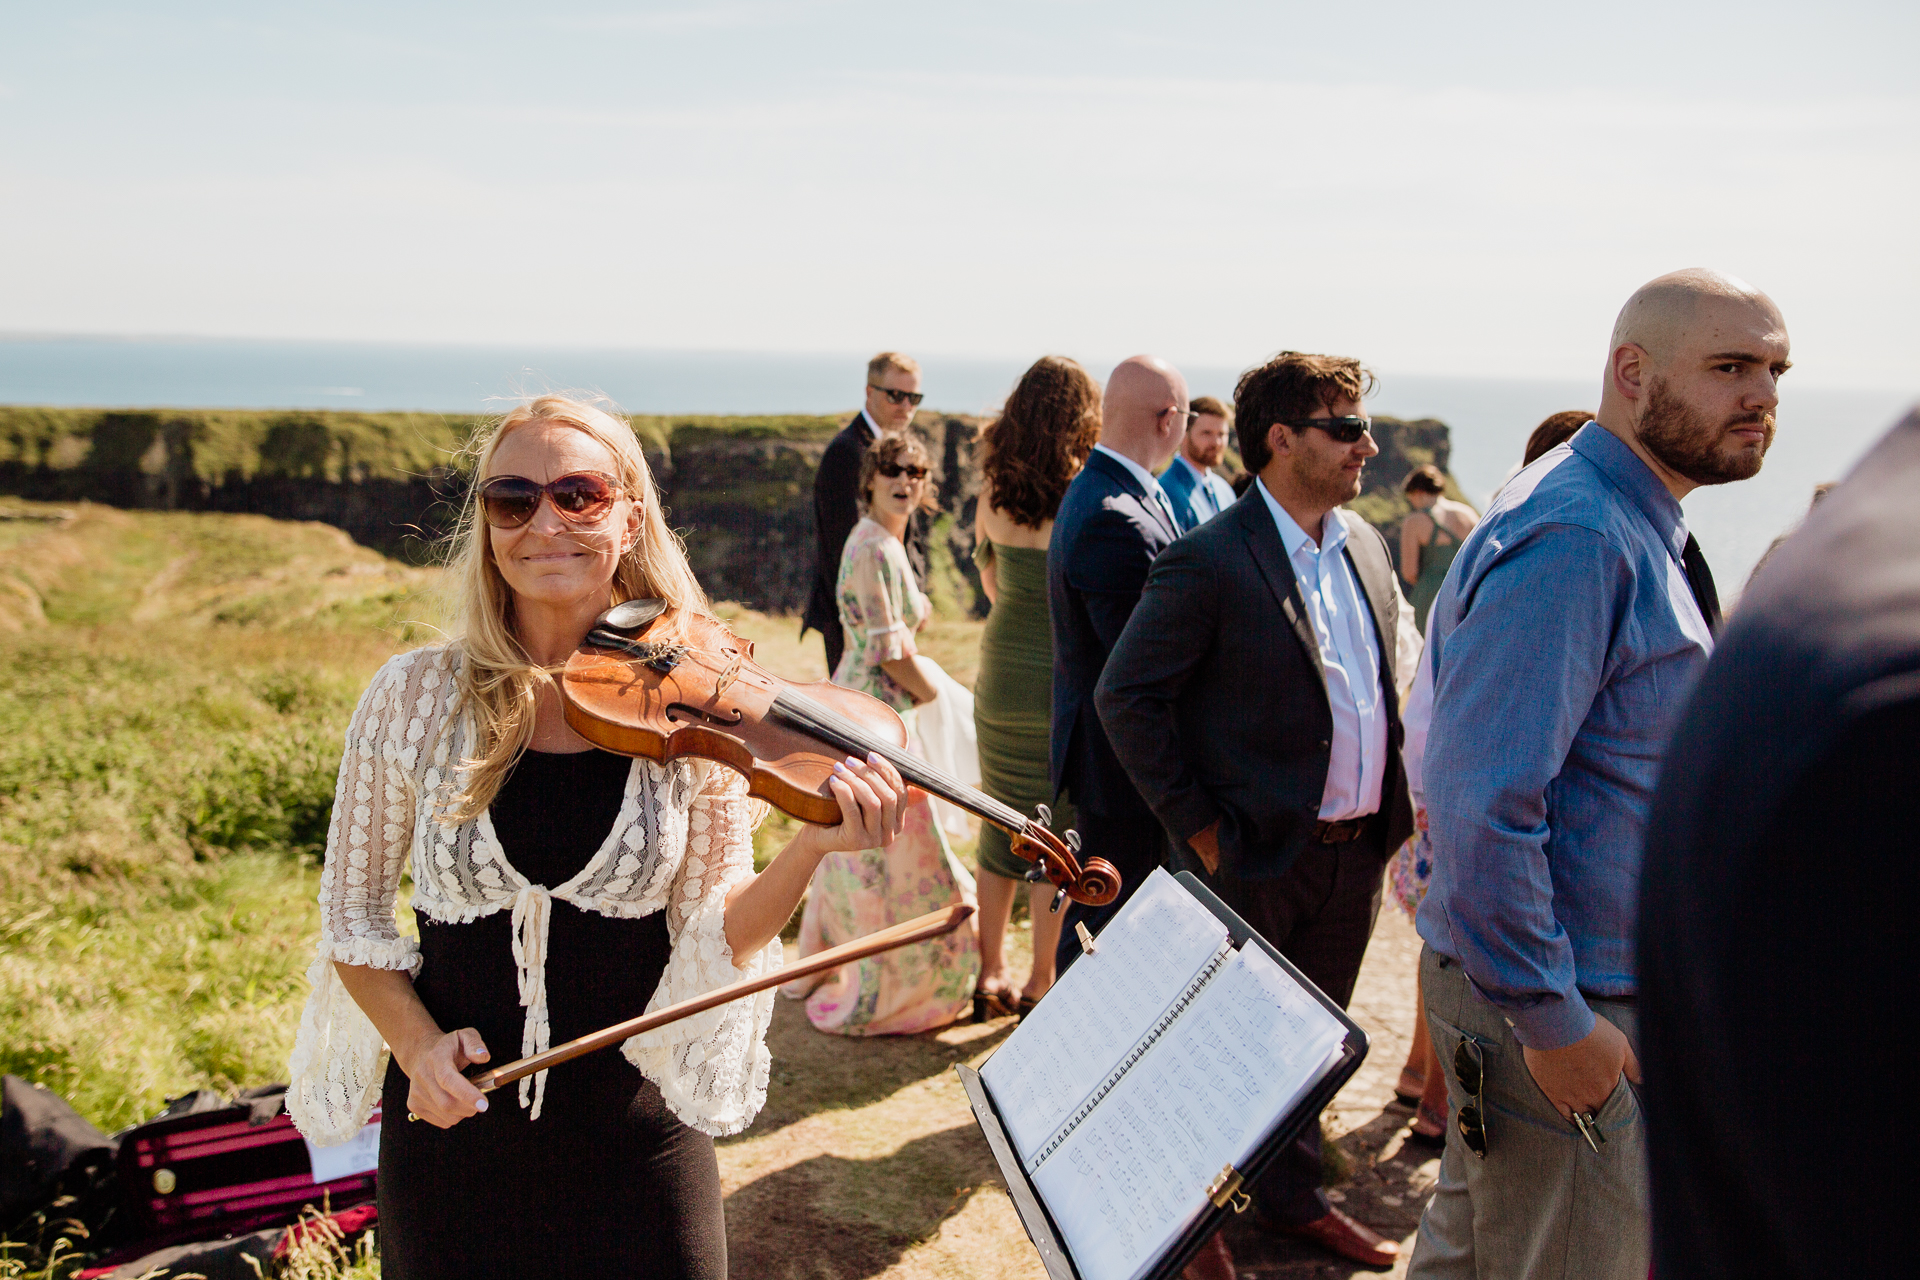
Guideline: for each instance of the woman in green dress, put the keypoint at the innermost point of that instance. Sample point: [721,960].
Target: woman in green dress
[1429,538]
[1028,457]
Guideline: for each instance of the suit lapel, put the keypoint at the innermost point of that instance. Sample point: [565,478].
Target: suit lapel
[1178,487]
[1270,556]
[1129,484]
[1374,573]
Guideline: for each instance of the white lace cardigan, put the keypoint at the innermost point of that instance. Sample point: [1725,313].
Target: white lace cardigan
[682,841]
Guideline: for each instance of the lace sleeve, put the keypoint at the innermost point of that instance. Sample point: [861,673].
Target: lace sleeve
[711,1068]
[337,1063]
[877,590]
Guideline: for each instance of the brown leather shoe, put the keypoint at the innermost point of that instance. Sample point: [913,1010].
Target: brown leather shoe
[1354,1241]
[1213,1262]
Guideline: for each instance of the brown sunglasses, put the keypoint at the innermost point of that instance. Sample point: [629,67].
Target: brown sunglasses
[581,497]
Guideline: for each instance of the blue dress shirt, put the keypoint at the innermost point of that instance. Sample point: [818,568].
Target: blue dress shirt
[1564,643]
[1198,495]
[1350,654]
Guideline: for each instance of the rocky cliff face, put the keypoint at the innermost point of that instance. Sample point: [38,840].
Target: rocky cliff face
[740,489]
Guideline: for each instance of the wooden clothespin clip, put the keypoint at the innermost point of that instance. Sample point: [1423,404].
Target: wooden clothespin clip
[1086,939]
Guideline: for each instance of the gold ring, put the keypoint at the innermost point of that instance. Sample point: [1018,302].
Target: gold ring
[412,1116]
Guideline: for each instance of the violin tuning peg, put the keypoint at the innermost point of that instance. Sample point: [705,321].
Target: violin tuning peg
[1072,839]
[1058,898]
[1043,813]
[1036,873]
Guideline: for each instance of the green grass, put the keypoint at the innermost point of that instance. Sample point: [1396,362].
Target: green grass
[173,690]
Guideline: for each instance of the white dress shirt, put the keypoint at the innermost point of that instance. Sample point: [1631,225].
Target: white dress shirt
[1147,482]
[1350,653]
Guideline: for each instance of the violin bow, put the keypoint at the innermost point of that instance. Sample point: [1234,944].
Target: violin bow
[919,929]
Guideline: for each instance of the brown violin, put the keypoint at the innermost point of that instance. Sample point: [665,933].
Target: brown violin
[664,683]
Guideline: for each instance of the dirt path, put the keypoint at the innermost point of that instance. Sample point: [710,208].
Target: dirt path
[866,1161]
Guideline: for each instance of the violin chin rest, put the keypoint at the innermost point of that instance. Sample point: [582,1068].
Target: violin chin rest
[632,615]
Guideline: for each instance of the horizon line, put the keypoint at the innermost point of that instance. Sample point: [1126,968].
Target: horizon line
[25,336]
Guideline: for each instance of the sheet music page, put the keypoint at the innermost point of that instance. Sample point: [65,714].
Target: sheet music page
[1134,1174]
[1099,1009]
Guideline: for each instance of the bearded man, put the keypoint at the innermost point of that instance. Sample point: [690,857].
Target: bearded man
[1575,621]
[1251,700]
[1196,492]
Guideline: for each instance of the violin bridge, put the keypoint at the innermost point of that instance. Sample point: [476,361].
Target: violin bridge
[731,674]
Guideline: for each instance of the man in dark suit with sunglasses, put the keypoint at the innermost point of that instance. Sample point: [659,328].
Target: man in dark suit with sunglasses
[893,393]
[1252,698]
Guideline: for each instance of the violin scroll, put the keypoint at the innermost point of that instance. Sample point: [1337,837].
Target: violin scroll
[1094,883]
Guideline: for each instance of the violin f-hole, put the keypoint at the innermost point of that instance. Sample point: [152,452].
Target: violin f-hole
[680,711]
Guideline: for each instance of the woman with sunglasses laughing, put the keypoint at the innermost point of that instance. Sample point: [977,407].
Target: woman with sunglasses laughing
[931,984]
[558,889]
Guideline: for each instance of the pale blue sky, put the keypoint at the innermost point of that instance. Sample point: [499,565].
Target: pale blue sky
[1467,189]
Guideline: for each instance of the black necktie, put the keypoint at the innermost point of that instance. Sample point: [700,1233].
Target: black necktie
[1700,578]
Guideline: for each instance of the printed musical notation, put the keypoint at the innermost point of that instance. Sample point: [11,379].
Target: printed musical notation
[1100,1010]
[1131,1176]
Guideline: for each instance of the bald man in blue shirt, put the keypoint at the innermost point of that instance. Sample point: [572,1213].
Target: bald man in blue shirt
[1573,624]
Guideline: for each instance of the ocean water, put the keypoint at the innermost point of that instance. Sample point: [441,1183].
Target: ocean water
[1822,431]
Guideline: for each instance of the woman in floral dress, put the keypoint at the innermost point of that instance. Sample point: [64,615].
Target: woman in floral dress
[929,985]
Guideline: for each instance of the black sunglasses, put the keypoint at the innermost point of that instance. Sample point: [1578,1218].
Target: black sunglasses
[893,470]
[899,397]
[1468,1070]
[1345,430]
[581,497]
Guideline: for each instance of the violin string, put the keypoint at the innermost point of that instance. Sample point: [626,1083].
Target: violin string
[823,722]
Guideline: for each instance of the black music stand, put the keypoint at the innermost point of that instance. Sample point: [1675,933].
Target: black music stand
[1032,1208]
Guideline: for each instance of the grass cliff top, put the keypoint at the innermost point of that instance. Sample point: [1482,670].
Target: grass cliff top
[216,445]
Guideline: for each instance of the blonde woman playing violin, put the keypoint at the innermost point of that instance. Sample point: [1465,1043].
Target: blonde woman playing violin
[558,889]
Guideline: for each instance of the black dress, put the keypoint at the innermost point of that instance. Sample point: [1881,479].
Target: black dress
[607,1182]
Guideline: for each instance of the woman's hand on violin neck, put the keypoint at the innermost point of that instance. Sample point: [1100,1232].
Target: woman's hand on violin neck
[873,805]
[439,1091]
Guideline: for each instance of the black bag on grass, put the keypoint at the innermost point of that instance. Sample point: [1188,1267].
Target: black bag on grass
[49,1150]
[214,1259]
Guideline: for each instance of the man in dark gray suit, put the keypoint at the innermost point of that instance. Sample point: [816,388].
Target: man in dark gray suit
[1252,700]
[1112,522]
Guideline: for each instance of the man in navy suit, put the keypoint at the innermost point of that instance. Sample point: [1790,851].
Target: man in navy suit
[1198,495]
[1114,520]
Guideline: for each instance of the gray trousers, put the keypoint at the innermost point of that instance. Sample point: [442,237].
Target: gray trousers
[1541,1205]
